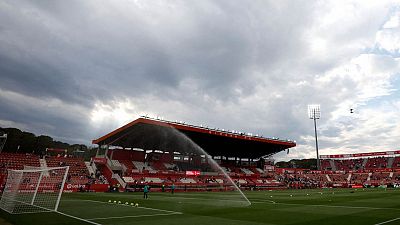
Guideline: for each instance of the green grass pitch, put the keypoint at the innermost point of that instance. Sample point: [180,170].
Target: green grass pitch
[294,207]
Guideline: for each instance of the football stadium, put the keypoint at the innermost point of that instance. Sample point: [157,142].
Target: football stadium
[277,112]
[154,171]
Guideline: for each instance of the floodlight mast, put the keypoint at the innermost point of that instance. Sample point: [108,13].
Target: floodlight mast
[314,112]
[3,139]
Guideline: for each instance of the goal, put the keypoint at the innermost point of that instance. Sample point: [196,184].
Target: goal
[33,190]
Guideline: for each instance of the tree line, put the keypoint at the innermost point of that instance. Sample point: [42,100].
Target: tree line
[26,142]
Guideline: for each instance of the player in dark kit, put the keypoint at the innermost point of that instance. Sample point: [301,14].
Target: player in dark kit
[146,191]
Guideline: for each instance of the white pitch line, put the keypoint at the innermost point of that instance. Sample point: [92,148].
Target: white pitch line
[78,218]
[122,217]
[388,221]
[141,207]
[203,199]
[161,210]
[329,206]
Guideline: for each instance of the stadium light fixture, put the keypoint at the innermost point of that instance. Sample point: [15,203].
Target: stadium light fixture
[3,139]
[314,113]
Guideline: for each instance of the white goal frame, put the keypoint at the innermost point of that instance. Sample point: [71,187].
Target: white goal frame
[33,190]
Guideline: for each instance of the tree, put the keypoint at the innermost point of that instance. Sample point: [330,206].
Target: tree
[21,141]
[44,142]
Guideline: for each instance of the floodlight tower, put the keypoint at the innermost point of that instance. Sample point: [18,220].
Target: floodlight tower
[314,112]
[3,139]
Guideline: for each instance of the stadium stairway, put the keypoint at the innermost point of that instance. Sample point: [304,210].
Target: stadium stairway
[43,165]
[328,178]
[333,166]
[369,176]
[90,168]
[108,174]
[349,177]
[390,162]
[119,179]
[364,163]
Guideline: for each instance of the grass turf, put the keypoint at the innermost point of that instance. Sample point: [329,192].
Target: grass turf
[294,207]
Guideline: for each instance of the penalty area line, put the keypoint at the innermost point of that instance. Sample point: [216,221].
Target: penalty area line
[328,206]
[135,216]
[388,221]
[77,218]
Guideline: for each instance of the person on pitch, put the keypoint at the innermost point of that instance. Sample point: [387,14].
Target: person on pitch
[146,190]
[172,188]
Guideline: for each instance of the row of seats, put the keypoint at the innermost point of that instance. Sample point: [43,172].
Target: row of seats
[361,163]
[77,174]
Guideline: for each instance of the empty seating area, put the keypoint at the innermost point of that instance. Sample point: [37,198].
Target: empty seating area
[186,180]
[158,165]
[130,168]
[17,161]
[380,177]
[246,171]
[170,166]
[396,163]
[376,163]
[346,165]
[359,171]
[156,180]
[339,178]
[359,178]
[78,172]
[325,164]
[128,179]
[242,181]
[143,166]
[360,164]
[116,163]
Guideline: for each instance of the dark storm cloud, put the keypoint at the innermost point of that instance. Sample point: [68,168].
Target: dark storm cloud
[43,120]
[35,78]
[236,65]
[88,50]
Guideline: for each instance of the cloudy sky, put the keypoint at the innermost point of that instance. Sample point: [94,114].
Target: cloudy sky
[78,69]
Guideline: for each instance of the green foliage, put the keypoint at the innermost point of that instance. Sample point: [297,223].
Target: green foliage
[299,163]
[25,142]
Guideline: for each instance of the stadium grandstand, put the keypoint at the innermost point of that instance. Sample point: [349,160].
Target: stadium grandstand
[150,151]
[158,152]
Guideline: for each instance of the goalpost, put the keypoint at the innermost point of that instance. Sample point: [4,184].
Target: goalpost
[33,190]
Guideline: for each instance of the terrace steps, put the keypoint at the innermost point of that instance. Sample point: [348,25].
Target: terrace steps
[349,177]
[328,178]
[333,166]
[364,163]
[43,165]
[390,162]
[369,176]
[90,168]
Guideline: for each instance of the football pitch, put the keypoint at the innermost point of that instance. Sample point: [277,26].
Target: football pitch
[294,207]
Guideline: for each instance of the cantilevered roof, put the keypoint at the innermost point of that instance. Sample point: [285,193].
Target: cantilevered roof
[154,134]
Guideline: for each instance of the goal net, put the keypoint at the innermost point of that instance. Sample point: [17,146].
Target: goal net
[33,190]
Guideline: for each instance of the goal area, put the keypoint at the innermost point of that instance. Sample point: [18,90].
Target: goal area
[33,190]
